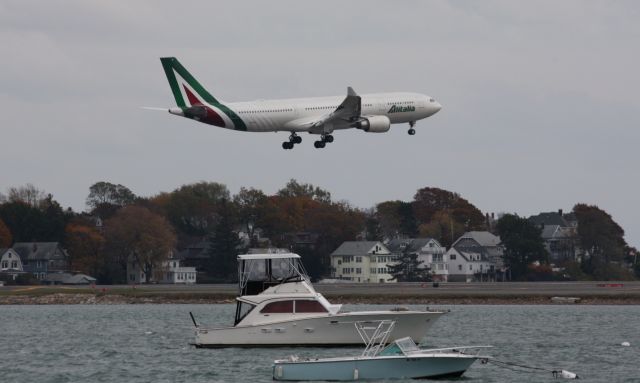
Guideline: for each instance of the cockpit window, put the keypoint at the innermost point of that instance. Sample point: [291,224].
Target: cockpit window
[432,100]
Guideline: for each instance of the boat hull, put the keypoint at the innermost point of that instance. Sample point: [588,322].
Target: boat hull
[333,330]
[395,367]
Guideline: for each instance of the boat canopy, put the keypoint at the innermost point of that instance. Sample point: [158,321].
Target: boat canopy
[258,272]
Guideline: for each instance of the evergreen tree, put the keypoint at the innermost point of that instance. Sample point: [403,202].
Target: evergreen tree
[523,244]
[224,246]
[602,241]
[409,269]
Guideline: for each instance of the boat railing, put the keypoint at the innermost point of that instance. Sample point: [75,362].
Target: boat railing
[460,350]
[374,334]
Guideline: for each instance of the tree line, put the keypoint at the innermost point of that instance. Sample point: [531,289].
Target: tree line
[118,224]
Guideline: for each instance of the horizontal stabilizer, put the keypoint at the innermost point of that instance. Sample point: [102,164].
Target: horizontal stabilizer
[154,108]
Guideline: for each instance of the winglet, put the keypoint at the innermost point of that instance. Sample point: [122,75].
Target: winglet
[351,92]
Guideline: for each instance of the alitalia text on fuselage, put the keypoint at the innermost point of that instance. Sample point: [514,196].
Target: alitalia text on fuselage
[322,116]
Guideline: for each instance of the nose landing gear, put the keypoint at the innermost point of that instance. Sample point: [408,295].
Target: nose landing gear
[293,139]
[411,130]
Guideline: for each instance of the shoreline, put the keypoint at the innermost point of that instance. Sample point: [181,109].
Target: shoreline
[68,298]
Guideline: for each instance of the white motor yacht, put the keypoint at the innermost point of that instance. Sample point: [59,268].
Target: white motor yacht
[278,306]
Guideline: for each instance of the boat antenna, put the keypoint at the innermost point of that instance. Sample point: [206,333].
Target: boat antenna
[193,319]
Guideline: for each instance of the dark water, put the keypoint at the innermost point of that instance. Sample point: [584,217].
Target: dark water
[149,343]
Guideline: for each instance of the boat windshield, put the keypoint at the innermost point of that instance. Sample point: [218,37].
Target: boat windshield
[258,274]
[242,310]
[403,346]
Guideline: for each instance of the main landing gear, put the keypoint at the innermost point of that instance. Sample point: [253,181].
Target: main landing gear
[411,130]
[293,139]
[326,138]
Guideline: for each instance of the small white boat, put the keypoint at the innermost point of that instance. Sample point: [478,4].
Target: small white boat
[278,306]
[400,359]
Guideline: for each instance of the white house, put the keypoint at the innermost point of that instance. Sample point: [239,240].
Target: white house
[430,252]
[362,261]
[475,256]
[10,263]
[169,272]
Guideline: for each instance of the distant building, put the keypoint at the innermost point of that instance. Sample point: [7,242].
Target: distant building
[362,261]
[195,255]
[42,258]
[429,251]
[169,272]
[10,263]
[476,256]
[301,240]
[559,233]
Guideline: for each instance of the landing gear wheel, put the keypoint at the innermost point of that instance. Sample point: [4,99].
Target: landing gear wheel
[328,138]
[287,145]
[295,139]
[412,132]
[319,144]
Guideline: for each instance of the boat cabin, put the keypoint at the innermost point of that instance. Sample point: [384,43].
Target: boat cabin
[282,274]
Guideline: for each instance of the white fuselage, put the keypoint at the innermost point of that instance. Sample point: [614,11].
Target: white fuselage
[291,114]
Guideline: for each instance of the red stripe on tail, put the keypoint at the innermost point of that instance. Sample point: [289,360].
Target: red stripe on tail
[211,117]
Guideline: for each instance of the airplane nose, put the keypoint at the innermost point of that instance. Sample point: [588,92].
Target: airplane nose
[436,107]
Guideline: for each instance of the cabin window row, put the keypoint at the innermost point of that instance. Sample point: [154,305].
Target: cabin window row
[320,107]
[265,111]
[401,103]
[289,307]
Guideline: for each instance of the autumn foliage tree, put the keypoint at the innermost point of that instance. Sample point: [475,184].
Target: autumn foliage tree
[295,189]
[443,227]
[85,246]
[193,208]
[428,201]
[250,205]
[6,239]
[136,233]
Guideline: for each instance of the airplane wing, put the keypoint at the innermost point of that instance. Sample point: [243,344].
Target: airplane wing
[343,117]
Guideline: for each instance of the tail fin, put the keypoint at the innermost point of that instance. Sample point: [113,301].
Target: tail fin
[194,101]
[186,89]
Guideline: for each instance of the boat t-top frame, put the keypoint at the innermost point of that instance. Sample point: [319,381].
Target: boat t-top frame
[258,272]
[374,334]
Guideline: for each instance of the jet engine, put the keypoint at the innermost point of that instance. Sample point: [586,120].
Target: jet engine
[374,124]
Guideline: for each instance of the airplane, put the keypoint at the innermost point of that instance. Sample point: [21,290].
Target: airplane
[372,113]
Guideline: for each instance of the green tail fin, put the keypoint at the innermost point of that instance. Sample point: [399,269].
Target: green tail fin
[172,67]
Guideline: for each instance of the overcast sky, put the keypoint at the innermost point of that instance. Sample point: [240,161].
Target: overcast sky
[540,99]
